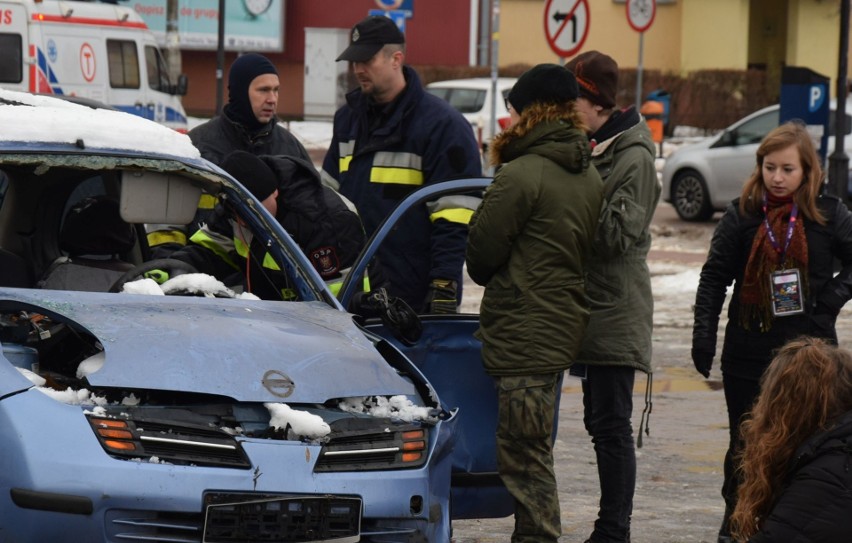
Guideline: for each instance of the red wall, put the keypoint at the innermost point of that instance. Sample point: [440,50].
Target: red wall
[437,34]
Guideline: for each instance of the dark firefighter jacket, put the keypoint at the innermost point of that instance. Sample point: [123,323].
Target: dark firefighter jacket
[422,140]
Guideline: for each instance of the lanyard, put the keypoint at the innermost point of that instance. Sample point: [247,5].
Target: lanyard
[771,235]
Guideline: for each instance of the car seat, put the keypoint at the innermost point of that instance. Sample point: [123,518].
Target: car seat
[13,270]
[93,236]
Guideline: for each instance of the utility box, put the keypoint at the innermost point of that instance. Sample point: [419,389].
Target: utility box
[326,81]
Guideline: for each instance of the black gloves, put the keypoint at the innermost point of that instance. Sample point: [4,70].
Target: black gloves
[823,320]
[442,297]
[703,361]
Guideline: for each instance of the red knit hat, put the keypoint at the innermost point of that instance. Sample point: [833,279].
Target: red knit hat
[597,76]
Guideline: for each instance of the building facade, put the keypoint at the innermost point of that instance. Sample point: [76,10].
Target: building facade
[685,36]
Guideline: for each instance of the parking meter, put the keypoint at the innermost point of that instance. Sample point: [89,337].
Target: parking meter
[805,96]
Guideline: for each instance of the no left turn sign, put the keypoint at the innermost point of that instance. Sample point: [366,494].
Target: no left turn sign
[566,25]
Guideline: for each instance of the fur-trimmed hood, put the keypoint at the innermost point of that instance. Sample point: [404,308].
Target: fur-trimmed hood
[548,132]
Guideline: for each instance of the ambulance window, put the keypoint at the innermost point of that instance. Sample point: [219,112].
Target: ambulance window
[11,61]
[158,72]
[123,64]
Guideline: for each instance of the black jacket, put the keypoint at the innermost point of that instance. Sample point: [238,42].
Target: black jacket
[421,140]
[220,136]
[746,353]
[816,500]
[318,219]
[328,232]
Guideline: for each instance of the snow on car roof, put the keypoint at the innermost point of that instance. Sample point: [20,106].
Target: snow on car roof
[32,118]
[472,82]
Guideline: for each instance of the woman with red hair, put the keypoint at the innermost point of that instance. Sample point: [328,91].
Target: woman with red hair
[796,465]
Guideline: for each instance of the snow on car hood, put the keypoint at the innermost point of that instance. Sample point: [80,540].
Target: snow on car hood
[293,352]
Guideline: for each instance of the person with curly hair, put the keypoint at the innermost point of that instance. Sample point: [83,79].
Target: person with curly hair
[796,464]
[528,244]
[780,244]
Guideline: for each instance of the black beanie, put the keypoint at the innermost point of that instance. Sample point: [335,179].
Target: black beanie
[545,83]
[243,71]
[252,172]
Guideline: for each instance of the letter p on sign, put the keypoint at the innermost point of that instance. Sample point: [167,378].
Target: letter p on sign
[817,95]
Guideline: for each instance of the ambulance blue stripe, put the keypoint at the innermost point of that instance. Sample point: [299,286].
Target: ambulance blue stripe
[143,112]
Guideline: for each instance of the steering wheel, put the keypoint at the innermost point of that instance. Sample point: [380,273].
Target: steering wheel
[172,266]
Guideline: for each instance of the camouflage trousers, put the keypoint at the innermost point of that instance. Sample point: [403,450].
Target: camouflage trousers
[526,407]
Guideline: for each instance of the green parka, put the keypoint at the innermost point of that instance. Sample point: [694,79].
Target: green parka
[527,244]
[618,283]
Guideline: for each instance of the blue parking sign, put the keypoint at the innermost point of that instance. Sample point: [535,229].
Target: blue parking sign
[395,15]
[804,96]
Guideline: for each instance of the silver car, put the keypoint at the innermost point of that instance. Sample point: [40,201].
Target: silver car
[704,177]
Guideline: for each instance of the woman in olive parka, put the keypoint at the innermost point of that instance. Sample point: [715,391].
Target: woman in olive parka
[527,245]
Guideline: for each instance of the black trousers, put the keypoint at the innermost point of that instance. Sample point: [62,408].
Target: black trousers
[740,394]
[608,406]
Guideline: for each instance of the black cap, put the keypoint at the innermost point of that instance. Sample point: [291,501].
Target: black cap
[369,36]
[545,83]
[252,172]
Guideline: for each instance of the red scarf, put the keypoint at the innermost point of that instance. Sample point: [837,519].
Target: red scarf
[755,295]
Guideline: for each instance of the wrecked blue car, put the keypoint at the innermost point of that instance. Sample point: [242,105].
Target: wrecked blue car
[189,411]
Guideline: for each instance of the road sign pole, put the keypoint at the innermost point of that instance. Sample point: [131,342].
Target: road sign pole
[639,72]
[495,55]
[640,15]
[838,162]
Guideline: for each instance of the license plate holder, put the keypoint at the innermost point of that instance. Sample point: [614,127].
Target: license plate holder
[233,517]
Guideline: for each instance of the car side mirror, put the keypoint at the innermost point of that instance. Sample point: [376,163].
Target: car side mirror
[728,139]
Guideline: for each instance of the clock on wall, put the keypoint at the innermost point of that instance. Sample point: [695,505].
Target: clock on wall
[256,8]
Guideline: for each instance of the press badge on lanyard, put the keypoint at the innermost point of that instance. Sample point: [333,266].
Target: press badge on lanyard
[786,293]
[785,285]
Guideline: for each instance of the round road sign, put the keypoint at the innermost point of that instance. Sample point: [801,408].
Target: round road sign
[566,25]
[640,13]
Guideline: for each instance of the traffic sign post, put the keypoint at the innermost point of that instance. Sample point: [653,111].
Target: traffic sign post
[640,15]
[566,25]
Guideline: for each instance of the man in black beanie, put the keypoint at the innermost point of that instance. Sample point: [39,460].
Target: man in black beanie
[326,230]
[248,123]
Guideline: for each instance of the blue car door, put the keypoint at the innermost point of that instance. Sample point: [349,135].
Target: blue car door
[449,356]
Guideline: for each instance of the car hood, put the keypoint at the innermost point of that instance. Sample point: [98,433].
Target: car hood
[248,350]
[691,147]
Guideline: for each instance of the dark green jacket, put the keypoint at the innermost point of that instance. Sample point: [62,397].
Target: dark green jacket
[618,283]
[527,244]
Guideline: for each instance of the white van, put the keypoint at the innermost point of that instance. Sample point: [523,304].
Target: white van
[90,50]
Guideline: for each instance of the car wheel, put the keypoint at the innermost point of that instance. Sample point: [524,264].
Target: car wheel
[690,197]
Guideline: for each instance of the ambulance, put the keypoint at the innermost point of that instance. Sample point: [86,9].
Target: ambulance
[88,50]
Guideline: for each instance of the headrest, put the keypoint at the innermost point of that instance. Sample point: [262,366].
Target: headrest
[94,227]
